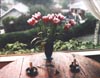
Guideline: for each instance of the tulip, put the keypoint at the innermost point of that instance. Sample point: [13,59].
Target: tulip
[32,21]
[60,16]
[45,19]
[39,13]
[67,26]
[51,17]
[72,22]
[55,20]
[37,16]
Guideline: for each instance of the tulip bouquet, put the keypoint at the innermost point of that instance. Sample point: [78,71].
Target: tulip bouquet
[49,27]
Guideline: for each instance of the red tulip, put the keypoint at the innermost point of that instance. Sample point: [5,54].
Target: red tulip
[37,16]
[61,17]
[67,26]
[51,17]
[55,20]
[32,21]
[45,19]
[72,22]
[39,13]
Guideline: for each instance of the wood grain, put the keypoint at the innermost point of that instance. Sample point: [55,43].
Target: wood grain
[58,68]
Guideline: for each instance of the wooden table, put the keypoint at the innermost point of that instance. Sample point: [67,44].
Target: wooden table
[61,61]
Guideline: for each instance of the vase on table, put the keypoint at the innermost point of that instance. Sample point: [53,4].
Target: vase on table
[48,48]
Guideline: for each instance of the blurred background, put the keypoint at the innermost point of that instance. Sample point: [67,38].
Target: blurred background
[14,27]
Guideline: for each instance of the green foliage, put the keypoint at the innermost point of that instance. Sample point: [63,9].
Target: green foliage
[38,5]
[74,45]
[15,46]
[21,48]
[65,3]
[18,48]
[21,51]
[28,35]
[22,36]
[12,24]
[21,23]
[9,24]
[39,8]
[33,2]
[90,16]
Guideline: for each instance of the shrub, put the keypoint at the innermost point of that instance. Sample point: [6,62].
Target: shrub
[12,24]
[21,48]
[15,46]
[39,8]
[83,29]
[9,24]
[74,45]
[23,36]
[28,35]
[21,23]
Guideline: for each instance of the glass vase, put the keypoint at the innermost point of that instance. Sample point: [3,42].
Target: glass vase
[48,50]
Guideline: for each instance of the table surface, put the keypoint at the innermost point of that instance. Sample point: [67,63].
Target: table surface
[61,62]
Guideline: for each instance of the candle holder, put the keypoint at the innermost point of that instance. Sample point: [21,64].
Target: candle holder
[74,67]
[32,71]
